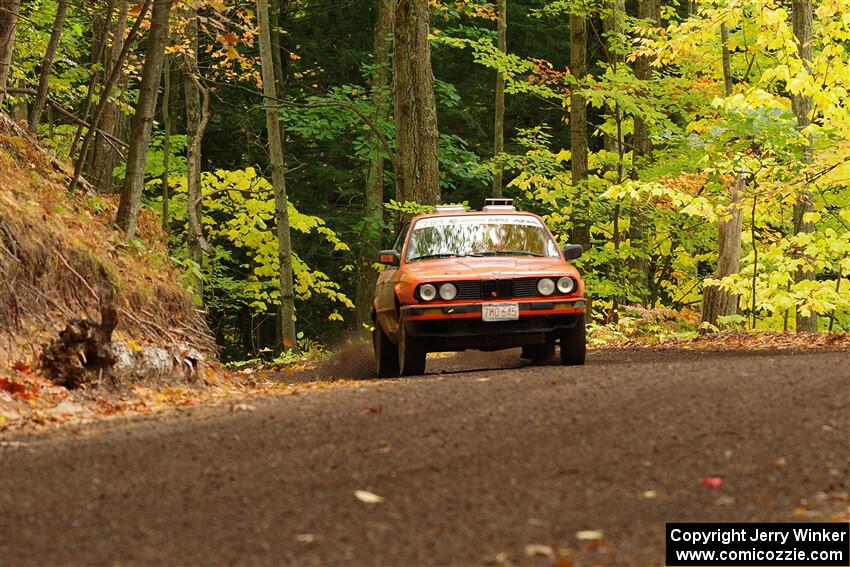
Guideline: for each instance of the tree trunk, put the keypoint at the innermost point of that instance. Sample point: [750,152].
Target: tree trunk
[727,64]
[166,142]
[613,24]
[286,313]
[578,127]
[416,162]
[140,135]
[649,11]
[715,301]
[374,210]
[499,122]
[104,100]
[47,65]
[801,16]
[101,26]
[103,155]
[280,56]
[197,115]
[19,107]
[8,28]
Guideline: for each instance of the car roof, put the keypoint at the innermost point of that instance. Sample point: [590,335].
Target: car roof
[459,212]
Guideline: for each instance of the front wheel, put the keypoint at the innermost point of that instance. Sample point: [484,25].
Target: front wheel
[574,344]
[411,354]
[386,355]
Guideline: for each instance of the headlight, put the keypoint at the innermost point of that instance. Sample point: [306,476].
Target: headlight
[427,292]
[448,291]
[546,286]
[566,285]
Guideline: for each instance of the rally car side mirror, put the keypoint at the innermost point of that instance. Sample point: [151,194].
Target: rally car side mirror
[572,251]
[389,257]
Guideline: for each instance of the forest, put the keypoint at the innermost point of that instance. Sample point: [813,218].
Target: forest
[698,150]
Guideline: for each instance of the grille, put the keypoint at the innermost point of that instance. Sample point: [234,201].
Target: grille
[497,289]
[525,287]
[468,290]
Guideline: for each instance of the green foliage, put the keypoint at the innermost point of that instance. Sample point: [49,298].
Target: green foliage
[654,219]
[239,216]
[680,201]
[408,208]
[155,164]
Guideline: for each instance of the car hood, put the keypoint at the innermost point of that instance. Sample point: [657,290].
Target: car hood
[504,267]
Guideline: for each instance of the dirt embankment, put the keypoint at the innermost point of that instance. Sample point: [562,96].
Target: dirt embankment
[123,311]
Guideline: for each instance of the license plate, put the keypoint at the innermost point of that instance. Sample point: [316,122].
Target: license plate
[500,312]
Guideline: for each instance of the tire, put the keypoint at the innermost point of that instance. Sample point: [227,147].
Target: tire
[386,355]
[411,354]
[574,344]
[539,354]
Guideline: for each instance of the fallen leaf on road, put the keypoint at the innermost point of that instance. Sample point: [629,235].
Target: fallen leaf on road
[725,501]
[649,494]
[536,549]
[376,409]
[306,538]
[711,482]
[243,407]
[589,535]
[368,497]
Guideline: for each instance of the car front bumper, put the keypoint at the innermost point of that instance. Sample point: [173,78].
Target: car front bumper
[452,327]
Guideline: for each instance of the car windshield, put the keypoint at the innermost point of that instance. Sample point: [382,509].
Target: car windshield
[479,235]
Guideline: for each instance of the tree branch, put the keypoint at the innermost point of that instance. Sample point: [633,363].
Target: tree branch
[68,114]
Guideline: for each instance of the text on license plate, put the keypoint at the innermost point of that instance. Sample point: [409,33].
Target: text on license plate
[500,311]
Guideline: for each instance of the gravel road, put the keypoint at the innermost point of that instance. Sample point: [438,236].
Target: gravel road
[500,465]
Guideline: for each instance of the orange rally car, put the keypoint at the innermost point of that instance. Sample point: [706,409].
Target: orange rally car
[486,280]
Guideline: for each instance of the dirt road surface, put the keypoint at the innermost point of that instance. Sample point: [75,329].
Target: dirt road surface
[501,465]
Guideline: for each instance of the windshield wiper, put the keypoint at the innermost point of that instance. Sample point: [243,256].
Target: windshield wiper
[478,255]
[433,256]
[511,253]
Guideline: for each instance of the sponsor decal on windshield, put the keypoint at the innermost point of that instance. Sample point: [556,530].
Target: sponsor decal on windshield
[466,220]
